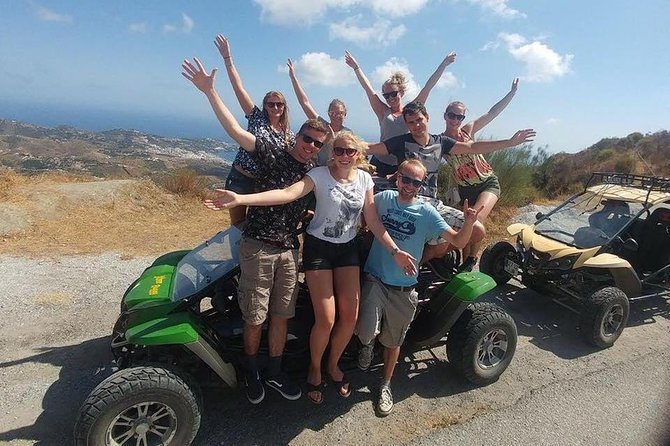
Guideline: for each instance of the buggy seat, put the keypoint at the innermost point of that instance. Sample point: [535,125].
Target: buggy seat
[654,241]
[611,218]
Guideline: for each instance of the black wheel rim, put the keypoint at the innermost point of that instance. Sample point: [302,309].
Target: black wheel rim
[612,321]
[143,424]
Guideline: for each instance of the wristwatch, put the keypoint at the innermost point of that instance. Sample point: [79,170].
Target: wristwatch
[395,251]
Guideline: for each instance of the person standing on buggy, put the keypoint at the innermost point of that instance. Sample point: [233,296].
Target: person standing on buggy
[330,255]
[388,300]
[474,176]
[389,113]
[430,150]
[337,111]
[270,123]
[269,246]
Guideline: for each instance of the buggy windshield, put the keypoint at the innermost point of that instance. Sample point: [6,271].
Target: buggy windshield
[588,220]
[207,263]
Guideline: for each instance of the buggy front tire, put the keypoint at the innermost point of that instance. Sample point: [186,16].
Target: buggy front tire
[139,405]
[604,317]
[493,261]
[482,342]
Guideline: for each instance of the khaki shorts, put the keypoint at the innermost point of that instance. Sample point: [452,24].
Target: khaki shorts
[384,311]
[268,281]
[454,217]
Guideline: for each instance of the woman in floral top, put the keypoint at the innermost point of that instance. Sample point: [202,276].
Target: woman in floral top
[270,123]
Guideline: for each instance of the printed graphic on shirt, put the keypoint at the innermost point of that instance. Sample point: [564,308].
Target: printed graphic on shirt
[400,225]
[351,204]
[469,170]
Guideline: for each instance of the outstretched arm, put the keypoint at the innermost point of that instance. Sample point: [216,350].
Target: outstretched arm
[432,80]
[226,199]
[519,137]
[243,97]
[205,83]
[377,148]
[403,259]
[484,119]
[460,238]
[300,93]
[378,106]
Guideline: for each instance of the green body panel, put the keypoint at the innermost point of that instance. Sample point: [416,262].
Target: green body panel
[171,258]
[176,328]
[467,287]
[154,285]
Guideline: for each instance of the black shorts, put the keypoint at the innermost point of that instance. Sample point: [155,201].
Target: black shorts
[240,183]
[320,254]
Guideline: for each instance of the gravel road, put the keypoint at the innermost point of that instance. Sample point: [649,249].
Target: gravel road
[58,313]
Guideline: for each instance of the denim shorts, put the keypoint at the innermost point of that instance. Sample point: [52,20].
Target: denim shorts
[239,183]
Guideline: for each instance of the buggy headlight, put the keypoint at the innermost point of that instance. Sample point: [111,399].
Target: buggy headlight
[564,263]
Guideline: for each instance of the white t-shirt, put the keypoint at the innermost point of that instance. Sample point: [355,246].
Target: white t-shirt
[338,205]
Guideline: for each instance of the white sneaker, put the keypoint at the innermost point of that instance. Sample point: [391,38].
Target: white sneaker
[385,401]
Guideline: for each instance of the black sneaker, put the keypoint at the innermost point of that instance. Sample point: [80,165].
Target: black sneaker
[282,384]
[365,355]
[467,265]
[253,387]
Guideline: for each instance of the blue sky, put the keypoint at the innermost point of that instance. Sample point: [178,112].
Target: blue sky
[588,69]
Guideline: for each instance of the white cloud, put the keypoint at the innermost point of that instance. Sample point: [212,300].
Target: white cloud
[47,15]
[383,72]
[447,80]
[553,121]
[542,63]
[380,33]
[137,28]
[186,25]
[321,69]
[290,12]
[498,8]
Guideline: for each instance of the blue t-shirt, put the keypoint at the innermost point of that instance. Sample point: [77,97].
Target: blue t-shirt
[410,226]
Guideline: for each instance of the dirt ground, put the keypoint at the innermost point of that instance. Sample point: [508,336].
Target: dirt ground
[64,272]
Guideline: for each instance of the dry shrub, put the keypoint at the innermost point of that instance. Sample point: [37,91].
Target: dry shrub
[9,180]
[185,182]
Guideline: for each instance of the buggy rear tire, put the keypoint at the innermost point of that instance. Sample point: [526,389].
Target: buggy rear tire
[482,342]
[493,261]
[140,402]
[604,317]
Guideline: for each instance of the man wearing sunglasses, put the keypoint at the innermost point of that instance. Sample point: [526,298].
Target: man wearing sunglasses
[269,247]
[388,299]
[430,150]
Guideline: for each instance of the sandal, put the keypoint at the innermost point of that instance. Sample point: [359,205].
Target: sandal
[343,386]
[312,388]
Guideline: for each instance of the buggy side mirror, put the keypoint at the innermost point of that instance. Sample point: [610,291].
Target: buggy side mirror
[539,215]
[630,245]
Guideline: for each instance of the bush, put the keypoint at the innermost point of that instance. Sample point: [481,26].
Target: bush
[185,182]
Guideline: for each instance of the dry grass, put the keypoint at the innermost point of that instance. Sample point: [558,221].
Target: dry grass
[186,183]
[139,218]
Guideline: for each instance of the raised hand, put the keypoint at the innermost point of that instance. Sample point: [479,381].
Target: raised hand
[349,59]
[198,75]
[451,57]
[225,199]
[522,136]
[470,215]
[291,68]
[515,84]
[222,45]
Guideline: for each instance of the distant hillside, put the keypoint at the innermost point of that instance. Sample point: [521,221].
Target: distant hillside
[114,153]
[636,153]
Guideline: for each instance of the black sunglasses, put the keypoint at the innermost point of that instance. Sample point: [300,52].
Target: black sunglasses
[411,181]
[310,140]
[339,151]
[390,94]
[452,115]
[275,104]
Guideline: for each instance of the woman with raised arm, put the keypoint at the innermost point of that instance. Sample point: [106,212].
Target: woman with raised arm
[474,176]
[337,111]
[389,113]
[270,123]
[330,253]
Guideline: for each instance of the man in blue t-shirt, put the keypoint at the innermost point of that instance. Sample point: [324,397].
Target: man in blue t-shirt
[388,299]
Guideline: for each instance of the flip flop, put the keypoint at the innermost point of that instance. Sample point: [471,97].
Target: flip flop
[343,386]
[315,388]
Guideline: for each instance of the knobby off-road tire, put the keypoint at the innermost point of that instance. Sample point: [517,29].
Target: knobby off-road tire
[604,317]
[493,261]
[141,401]
[482,342]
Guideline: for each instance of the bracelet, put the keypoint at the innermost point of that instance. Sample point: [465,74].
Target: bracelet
[395,251]
[357,68]
[227,57]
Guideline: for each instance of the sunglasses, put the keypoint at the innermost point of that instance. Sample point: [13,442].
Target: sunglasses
[275,104]
[339,151]
[411,181]
[310,140]
[452,115]
[390,94]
